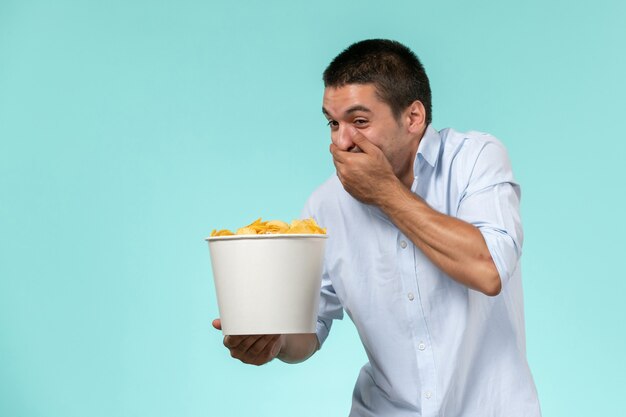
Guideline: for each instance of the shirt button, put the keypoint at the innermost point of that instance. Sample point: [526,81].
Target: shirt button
[411,296]
[421,346]
[428,394]
[403,244]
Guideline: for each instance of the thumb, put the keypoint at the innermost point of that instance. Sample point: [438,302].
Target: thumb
[364,144]
[217,323]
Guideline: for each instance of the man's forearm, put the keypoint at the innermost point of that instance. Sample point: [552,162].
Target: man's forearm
[298,347]
[456,247]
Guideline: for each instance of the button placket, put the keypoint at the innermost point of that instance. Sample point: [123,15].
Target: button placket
[408,260]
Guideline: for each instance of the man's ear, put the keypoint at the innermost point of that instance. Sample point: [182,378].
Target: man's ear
[415,117]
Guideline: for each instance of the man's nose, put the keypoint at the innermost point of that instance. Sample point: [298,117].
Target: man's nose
[343,137]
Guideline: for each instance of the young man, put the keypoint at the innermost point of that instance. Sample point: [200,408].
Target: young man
[424,253]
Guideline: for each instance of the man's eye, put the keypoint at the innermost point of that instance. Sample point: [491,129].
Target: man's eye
[360,122]
[332,123]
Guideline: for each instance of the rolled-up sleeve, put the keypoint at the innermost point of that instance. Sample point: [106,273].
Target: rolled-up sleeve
[491,202]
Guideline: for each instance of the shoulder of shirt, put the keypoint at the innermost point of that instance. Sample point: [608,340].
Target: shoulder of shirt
[329,189]
[328,196]
[453,139]
[472,141]
[474,155]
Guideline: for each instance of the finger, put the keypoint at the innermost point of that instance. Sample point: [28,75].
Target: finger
[264,344]
[245,344]
[341,155]
[340,158]
[336,163]
[276,347]
[336,152]
[338,168]
[264,350]
[364,144]
[217,323]
[232,342]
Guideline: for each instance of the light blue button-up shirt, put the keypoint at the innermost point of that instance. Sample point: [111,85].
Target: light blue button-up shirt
[435,347]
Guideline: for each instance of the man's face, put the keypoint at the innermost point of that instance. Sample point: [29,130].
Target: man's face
[356,108]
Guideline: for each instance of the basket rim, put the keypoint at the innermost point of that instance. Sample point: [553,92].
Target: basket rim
[267,236]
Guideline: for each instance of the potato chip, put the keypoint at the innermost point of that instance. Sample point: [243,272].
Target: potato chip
[306,226]
[223,232]
[246,231]
[277,226]
[272,227]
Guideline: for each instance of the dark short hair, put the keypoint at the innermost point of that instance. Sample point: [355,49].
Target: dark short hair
[394,69]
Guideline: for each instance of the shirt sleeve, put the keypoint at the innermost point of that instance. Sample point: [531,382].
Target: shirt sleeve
[330,307]
[491,202]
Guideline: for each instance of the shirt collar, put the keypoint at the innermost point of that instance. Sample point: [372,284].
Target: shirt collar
[428,148]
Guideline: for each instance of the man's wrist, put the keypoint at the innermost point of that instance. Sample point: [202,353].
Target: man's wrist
[391,196]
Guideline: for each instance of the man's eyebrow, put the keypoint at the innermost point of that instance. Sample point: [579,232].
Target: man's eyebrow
[352,109]
[357,108]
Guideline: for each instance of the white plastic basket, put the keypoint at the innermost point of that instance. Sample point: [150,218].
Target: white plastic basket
[267,284]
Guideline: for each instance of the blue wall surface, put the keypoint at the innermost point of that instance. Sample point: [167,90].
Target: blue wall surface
[130,129]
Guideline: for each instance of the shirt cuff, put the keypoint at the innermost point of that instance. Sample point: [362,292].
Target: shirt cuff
[322,330]
[504,252]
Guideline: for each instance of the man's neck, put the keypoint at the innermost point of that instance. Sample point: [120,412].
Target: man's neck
[407,175]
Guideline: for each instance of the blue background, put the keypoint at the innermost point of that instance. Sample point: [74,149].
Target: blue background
[130,129]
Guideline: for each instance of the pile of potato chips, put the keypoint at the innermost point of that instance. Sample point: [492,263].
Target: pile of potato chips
[271,227]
